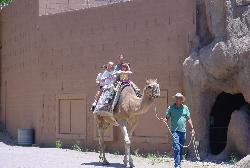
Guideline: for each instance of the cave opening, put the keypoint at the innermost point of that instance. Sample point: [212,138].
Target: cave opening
[220,116]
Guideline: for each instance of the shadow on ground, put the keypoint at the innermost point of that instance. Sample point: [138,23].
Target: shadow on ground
[115,165]
[5,137]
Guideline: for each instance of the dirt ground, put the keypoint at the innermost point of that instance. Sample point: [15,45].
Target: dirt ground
[35,157]
[13,156]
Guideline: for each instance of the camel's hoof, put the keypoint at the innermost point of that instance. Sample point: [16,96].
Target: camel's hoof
[105,162]
[127,141]
[125,163]
[131,164]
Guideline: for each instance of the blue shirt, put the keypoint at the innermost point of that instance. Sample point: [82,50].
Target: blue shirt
[118,67]
[178,116]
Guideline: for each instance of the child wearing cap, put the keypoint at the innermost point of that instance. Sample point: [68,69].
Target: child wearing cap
[124,73]
[123,78]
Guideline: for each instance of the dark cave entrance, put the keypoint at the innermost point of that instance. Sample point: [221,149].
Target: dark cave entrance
[220,116]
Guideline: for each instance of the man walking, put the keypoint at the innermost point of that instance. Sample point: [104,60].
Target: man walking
[179,114]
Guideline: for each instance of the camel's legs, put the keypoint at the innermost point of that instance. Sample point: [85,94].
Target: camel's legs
[101,130]
[132,125]
[111,120]
[133,122]
[100,144]
[99,138]
[127,157]
[125,134]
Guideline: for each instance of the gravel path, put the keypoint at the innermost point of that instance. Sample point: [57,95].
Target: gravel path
[34,157]
[12,156]
[243,163]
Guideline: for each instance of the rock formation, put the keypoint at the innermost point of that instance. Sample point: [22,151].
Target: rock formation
[220,62]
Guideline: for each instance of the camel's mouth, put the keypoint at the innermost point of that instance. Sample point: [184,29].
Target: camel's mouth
[156,91]
[157,95]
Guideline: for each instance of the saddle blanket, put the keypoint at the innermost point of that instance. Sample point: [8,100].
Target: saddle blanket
[108,100]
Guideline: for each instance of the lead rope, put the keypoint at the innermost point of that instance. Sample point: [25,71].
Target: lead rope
[192,140]
[196,152]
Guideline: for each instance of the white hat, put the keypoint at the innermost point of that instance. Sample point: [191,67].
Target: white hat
[179,95]
[110,63]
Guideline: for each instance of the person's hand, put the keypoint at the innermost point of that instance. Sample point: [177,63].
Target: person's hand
[162,119]
[192,131]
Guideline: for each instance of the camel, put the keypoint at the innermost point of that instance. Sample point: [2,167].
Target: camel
[126,113]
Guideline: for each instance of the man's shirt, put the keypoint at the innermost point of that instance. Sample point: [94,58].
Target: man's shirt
[178,117]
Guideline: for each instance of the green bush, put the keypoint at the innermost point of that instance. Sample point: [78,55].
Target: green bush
[59,144]
[157,158]
[234,158]
[77,147]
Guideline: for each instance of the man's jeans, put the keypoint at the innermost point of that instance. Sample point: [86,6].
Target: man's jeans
[178,138]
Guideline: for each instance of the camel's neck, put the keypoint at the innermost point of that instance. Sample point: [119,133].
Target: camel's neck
[145,104]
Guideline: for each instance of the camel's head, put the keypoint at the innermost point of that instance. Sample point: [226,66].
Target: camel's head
[152,88]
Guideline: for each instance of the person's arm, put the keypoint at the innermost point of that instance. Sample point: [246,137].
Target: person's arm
[129,72]
[190,121]
[126,72]
[98,79]
[168,113]
[166,119]
[191,125]
[117,72]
